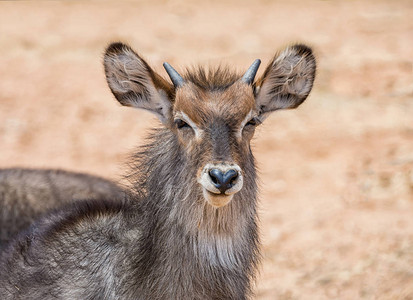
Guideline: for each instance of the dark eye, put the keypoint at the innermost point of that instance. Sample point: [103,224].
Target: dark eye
[253,122]
[181,124]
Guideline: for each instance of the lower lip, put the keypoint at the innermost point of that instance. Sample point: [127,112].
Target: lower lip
[217,200]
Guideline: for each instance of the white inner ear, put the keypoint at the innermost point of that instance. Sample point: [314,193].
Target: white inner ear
[158,104]
[288,83]
[163,105]
[128,74]
[125,70]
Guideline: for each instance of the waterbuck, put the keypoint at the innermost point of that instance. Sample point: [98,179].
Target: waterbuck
[25,194]
[189,229]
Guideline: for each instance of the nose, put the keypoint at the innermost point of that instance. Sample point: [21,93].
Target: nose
[223,181]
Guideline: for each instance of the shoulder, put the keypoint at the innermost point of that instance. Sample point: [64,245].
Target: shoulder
[89,222]
[84,216]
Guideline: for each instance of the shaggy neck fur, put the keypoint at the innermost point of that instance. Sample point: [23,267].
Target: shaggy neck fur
[193,250]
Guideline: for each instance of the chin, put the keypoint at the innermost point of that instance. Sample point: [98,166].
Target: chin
[217,200]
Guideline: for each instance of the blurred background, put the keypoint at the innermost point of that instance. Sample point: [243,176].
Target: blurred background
[336,174]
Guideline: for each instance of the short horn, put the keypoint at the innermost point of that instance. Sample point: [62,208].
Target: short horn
[249,76]
[177,79]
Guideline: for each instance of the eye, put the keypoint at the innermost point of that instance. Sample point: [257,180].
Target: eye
[253,122]
[181,124]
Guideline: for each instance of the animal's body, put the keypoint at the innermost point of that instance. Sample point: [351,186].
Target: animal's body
[26,194]
[189,230]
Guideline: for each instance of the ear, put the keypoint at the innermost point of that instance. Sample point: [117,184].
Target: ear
[287,81]
[135,84]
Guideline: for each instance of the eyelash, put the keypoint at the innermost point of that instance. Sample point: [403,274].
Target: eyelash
[181,124]
[253,122]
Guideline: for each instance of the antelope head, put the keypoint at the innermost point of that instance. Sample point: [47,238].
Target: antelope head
[213,114]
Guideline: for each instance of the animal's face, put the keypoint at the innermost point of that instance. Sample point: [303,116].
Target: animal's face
[213,114]
[215,128]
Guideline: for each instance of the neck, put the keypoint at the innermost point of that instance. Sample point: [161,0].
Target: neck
[209,250]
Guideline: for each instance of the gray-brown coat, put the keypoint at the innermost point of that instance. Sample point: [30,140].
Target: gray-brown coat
[189,231]
[26,194]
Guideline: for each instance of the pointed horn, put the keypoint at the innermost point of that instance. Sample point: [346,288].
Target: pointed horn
[177,80]
[249,76]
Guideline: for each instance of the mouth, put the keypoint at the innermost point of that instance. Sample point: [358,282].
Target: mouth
[220,181]
[217,200]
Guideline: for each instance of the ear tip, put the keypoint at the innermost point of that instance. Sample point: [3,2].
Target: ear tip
[303,49]
[115,48]
[306,52]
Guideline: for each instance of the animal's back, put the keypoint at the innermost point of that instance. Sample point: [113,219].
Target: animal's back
[25,194]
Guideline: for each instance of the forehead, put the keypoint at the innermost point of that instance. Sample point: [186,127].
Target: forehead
[231,103]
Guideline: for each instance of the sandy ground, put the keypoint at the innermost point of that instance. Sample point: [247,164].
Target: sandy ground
[336,174]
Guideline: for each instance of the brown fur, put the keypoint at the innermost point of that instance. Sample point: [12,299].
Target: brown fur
[178,236]
[201,105]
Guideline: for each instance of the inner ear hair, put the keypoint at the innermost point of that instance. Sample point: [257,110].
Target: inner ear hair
[128,73]
[134,83]
[287,80]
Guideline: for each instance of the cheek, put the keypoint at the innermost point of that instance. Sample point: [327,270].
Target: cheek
[197,150]
[247,135]
[241,149]
[186,137]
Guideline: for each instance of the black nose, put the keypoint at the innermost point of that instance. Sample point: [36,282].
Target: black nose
[223,181]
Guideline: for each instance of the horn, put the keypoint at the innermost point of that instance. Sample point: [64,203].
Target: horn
[249,76]
[177,80]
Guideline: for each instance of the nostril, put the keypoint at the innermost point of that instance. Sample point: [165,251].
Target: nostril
[223,181]
[233,180]
[213,178]
[230,178]
[216,177]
